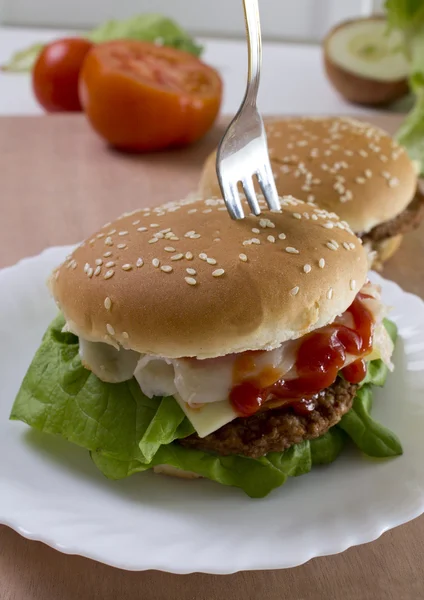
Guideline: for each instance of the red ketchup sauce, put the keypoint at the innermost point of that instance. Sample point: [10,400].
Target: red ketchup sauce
[320,356]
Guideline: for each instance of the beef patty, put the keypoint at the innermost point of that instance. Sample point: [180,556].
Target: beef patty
[277,429]
[408,220]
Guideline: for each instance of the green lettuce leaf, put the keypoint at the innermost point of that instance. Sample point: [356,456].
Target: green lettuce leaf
[126,432]
[407,17]
[325,449]
[146,27]
[372,438]
[168,424]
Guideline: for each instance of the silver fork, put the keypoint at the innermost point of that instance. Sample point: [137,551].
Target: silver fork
[243,151]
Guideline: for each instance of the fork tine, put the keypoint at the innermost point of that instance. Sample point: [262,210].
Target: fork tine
[267,184]
[250,194]
[232,200]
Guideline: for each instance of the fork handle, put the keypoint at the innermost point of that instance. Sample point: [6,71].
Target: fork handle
[254,42]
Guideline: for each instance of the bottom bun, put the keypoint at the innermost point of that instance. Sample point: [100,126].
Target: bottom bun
[384,250]
[174,472]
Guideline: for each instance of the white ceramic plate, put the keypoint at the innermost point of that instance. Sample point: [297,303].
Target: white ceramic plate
[51,491]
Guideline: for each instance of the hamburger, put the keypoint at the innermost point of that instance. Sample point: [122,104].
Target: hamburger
[197,346]
[346,166]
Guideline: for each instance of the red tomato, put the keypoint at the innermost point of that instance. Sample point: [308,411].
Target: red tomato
[143,97]
[56,72]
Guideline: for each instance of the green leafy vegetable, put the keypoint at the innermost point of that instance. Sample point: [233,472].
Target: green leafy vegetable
[126,432]
[368,435]
[407,16]
[326,449]
[147,27]
[168,424]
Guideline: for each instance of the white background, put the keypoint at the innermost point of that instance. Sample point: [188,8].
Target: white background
[281,19]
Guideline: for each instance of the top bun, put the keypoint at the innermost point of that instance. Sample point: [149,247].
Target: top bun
[343,165]
[186,280]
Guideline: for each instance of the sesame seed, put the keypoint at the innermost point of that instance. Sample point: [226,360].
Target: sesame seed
[321,263]
[314,217]
[191,271]
[109,274]
[310,198]
[139,263]
[206,211]
[393,182]
[154,225]
[360,180]
[330,293]
[166,268]
[352,245]
[121,246]
[189,233]
[195,236]
[98,261]
[256,230]
[262,223]
[190,280]
[243,257]
[383,158]
[142,229]
[352,284]
[294,291]
[90,272]
[111,232]
[127,267]
[125,335]
[203,256]
[297,215]
[155,262]
[271,239]
[108,241]
[109,264]
[191,211]
[346,245]
[368,173]
[282,236]
[255,241]
[123,233]
[110,329]
[136,222]
[107,254]
[108,303]
[189,256]
[218,272]
[328,225]
[292,250]
[331,246]
[174,238]
[169,249]
[307,268]
[334,243]
[211,261]
[178,256]
[153,240]
[97,270]
[86,267]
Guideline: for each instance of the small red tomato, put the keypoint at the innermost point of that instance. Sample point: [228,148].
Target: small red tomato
[56,72]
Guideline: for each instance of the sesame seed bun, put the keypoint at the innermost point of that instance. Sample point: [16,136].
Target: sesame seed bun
[344,165]
[186,280]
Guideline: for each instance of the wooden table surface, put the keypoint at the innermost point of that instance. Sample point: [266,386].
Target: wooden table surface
[58,182]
